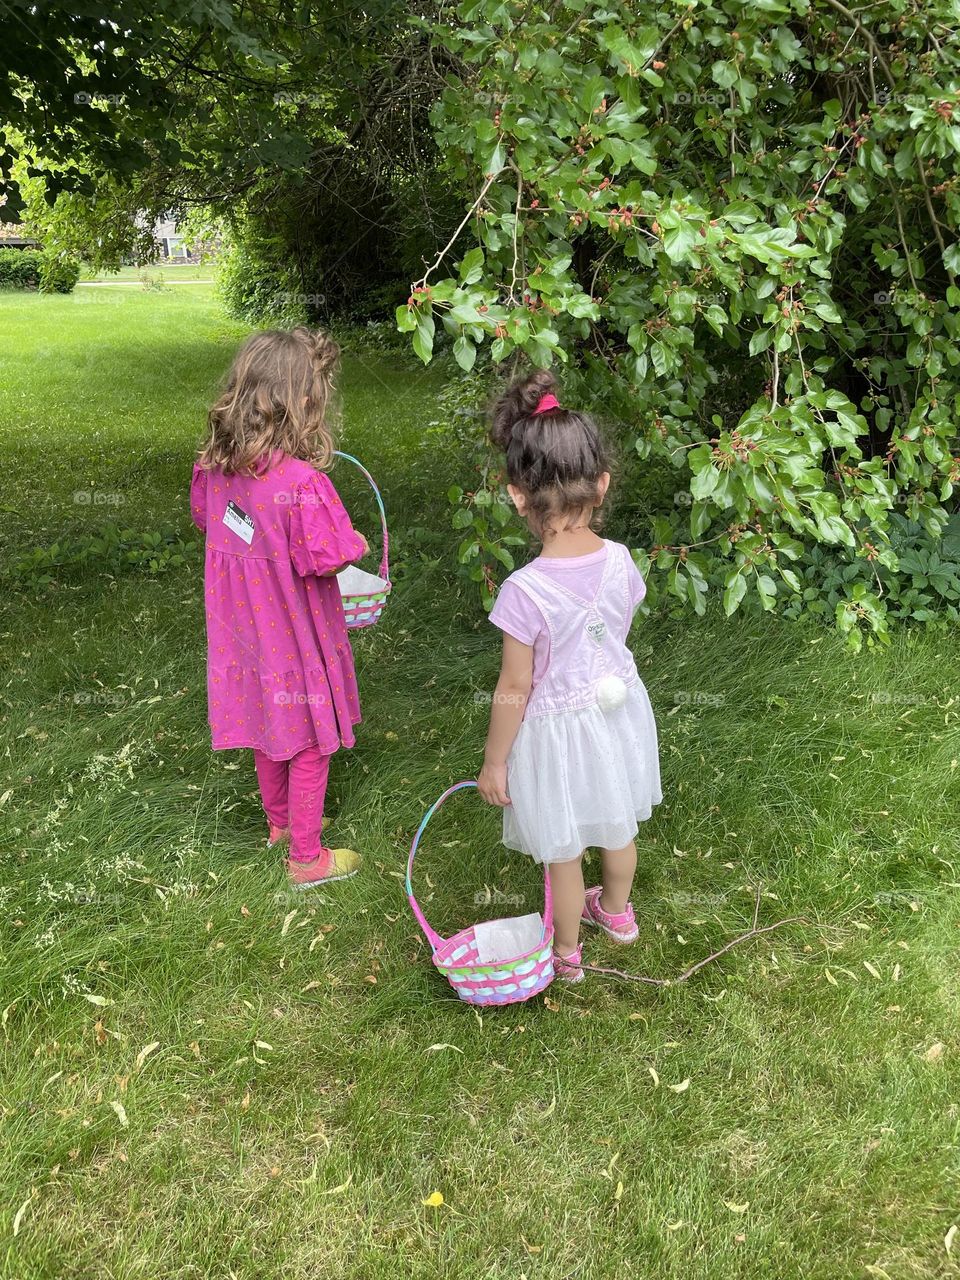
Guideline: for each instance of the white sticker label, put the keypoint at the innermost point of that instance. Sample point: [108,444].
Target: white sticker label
[238,522]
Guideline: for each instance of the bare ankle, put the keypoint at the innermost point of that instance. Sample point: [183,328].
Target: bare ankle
[609,906]
[562,949]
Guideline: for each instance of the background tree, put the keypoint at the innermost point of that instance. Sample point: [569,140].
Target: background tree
[306,130]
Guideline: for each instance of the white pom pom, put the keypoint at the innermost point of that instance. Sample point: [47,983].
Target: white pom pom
[611,693]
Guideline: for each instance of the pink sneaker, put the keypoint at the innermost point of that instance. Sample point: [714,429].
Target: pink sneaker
[567,968]
[621,928]
[329,864]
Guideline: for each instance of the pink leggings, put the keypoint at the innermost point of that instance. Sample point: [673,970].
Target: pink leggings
[293,792]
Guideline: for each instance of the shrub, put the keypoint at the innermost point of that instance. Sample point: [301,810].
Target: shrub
[20,268]
[257,280]
[35,269]
[110,550]
[925,587]
[58,273]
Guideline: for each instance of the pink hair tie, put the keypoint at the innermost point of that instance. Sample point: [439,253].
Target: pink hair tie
[546,403]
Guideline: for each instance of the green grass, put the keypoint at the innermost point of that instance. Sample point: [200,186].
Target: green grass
[165,271]
[313,1079]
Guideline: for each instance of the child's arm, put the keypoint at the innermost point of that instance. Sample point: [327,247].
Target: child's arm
[322,539]
[506,716]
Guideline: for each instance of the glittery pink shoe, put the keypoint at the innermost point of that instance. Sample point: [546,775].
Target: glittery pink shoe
[621,927]
[567,968]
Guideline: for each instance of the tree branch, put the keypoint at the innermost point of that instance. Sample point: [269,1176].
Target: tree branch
[752,932]
[868,36]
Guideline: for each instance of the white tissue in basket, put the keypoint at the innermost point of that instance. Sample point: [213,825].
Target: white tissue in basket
[507,939]
[357,582]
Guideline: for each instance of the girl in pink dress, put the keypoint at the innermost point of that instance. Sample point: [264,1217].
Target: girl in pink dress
[571,753]
[280,675]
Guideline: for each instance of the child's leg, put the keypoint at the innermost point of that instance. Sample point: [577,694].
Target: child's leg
[308,788]
[619,867]
[566,886]
[272,776]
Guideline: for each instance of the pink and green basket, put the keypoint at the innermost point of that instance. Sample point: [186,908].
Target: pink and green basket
[365,594]
[502,982]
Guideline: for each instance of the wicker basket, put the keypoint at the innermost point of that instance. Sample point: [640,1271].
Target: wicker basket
[503,981]
[365,594]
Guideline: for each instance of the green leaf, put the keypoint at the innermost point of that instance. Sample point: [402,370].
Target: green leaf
[725,74]
[760,341]
[495,161]
[471,268]
[767,591]
[827,311]
[423,338]
[704,482]
[716,318]
[679,239]
[735,587]
[465,353]
[406,319]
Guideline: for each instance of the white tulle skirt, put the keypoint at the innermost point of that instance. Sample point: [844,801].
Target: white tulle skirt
[582,779]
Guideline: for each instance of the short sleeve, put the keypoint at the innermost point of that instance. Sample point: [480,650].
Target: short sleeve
[516,614]
[322,539]
[635,583]
[198,498]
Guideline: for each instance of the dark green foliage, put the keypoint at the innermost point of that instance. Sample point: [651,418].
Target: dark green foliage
[58,273]
[740,223]
[19,268]
[109,550]
[49,272]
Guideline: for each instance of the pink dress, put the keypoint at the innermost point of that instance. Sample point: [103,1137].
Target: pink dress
[280,674]
[584,767]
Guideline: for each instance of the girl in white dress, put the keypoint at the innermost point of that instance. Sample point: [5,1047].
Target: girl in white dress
[571,753]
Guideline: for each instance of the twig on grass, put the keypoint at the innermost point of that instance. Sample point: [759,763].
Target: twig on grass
[752,932]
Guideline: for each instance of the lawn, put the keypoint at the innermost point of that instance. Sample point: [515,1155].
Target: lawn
[205,1075]
[165,272]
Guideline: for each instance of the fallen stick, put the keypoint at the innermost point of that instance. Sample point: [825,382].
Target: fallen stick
[752,932]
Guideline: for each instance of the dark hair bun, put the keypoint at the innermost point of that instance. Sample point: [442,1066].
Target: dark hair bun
[518,402]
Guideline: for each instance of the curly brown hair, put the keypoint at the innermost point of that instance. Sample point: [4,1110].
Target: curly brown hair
[556,458]
[279,397]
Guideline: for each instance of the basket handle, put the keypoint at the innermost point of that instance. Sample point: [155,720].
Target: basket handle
[432,936]
[385,559]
